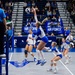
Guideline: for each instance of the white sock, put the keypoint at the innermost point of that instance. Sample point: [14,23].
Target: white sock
[26,58]
[38,53]
[55,67]
[42,55]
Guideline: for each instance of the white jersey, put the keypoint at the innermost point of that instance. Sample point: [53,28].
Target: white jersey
[65,46]
[29,40]
[69,38]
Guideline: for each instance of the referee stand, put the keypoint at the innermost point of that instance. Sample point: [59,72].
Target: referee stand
[7,58]
[7,52]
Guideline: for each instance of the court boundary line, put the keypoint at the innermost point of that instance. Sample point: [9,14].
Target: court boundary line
[65,66]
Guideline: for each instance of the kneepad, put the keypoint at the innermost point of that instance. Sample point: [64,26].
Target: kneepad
[25,51]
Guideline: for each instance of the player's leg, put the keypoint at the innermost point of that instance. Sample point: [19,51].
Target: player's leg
[66,56]
[40,46]
[58,57]
[26,51]
[51,64]
[30,51]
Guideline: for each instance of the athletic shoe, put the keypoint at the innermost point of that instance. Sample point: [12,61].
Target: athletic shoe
[49,70]
[55,71]
[67,62]
[43,62]
[38,62]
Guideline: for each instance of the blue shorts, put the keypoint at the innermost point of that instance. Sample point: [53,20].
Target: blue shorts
[30,44]
[60,55]
[45,39]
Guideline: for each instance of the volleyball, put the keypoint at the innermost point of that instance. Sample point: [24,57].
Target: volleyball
[27,10]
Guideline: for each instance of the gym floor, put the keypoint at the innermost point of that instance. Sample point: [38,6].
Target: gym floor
[18,67]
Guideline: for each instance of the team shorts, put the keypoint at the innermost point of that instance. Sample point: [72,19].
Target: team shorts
[60,55]
[45,39]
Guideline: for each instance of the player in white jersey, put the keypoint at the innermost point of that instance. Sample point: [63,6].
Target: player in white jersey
[69,40]
[30,43]
[41,34]
[57,57]
[65,48]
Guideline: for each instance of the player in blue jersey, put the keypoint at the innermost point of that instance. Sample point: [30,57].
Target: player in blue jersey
[30,43]
[41,34]
[56,58]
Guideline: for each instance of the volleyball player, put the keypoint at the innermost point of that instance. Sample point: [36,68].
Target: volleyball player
[57,57]
[65,48]
[30,44]
[43,41]
[69,40]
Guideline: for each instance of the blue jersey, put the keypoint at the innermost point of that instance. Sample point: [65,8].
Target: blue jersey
[40,32]
[55,50]
[9,32]
[2,15]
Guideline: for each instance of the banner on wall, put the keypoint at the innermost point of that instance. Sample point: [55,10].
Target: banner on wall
[20,42]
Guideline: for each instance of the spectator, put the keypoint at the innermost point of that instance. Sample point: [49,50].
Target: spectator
[47,4]
[7,19]
[57,12]
[73,12]
[54,4]
[58,24]
[25,4]
[6,13]
[6,5]
[19,34]
[9,36]
[54,19]
[1,5]
[54,12]
[52,34]
[49,13]
[29,4]
[33,3]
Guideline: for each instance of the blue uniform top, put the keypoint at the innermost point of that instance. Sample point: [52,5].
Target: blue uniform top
[9,32]
[67,32]
[2,15]
[56,50]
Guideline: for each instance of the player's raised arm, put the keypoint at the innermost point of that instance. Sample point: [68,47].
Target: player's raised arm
[35,15]
[46,19]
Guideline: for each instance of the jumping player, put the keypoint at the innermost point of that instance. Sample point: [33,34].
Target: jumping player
[44,39]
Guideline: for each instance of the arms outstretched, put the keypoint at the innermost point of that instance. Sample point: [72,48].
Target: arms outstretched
[35,17]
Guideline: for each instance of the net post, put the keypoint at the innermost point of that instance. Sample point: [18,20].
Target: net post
[13,36]
[0,66]
[7,55]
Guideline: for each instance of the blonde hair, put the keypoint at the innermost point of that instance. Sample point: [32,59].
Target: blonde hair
[54,43]
[39,23]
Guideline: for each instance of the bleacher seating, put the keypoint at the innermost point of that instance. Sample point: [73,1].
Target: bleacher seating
[71,9]
[44,9]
